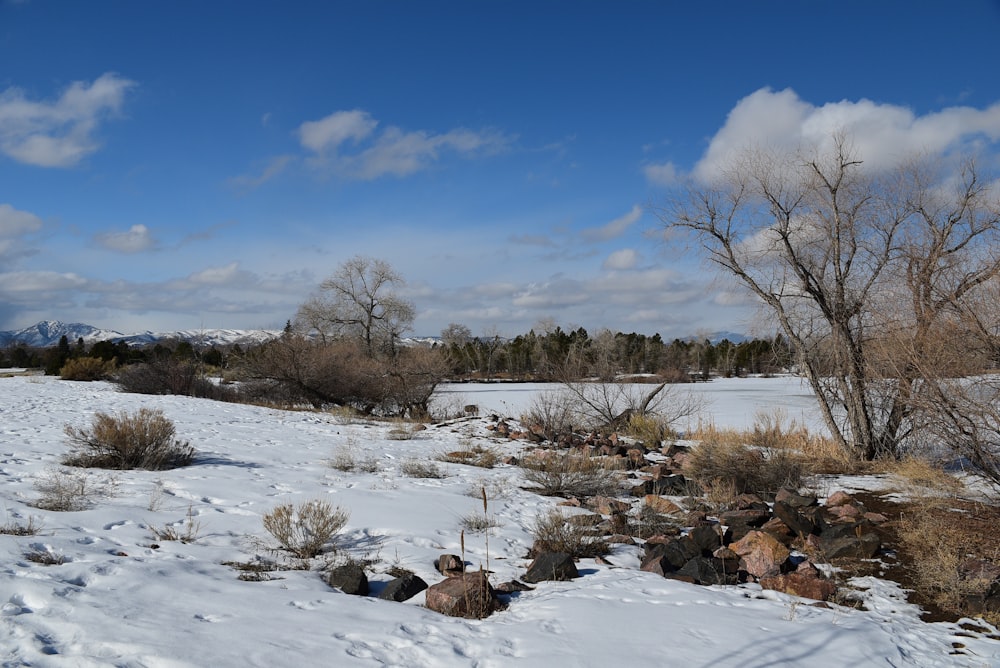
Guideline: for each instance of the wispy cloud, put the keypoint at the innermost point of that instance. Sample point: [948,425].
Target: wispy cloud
[626,258]
[881,133]
[661,174]
[615,228]
[136,239]
[271,169]
[59,133]
[347,143]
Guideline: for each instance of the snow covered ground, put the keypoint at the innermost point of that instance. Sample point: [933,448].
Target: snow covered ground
[116,600]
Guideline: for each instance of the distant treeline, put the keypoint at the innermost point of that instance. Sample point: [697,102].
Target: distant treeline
[557,354]
[550,356]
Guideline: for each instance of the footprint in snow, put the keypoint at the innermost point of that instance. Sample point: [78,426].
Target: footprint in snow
[116,525]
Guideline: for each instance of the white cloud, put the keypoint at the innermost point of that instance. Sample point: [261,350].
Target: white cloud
[217,275]
[392,152]
[328,133]
[615,228]
[135,240]
[881,133]
[59,133]
[27,282]
[623,259]
[14,223]
[664,174]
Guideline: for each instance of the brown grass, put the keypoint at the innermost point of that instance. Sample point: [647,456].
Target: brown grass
[554,532]
[570,474]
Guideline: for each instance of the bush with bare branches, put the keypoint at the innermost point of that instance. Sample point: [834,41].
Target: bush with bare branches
[140,440]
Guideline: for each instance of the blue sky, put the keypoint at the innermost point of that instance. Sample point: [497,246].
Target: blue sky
[184,164]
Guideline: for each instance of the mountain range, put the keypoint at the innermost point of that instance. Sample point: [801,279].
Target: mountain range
[48,332]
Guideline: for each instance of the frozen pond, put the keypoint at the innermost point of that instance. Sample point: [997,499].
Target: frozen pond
[728,402]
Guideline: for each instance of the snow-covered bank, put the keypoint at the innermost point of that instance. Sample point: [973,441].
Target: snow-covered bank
[119,601]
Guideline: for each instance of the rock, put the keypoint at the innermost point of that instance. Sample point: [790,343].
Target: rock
[799,524]
[703,571]
[469,596]
[761,554]
[403,588]
[707,537]
[551,566]
[511,587]
[839,499]
[450,565]
[606,506]
[855,540]
[801,584]
[349,578]
[661,505]
[794,499]
[670,556]
[779,530]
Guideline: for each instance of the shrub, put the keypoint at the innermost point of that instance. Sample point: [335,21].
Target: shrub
[15,528]
[414,468]
[345,458]
[951,552]
[472,455]
[169,375]
[63,490]
[555,532]
[87,369]
[752,470]
[142,440]
[183,532]
[552,412]
[569,474]
[648,428]
[477,522]
[307,530]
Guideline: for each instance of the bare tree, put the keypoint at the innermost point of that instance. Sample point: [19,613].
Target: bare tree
[837,253]
[360,301]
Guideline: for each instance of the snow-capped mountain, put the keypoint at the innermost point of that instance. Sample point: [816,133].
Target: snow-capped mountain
[48,332]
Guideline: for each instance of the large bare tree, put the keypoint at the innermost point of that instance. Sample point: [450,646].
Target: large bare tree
[860,268]
[360,301]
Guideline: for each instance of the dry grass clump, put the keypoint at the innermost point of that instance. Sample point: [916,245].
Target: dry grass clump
[472,455]
[184,532]
[555,532]
[141,440]
[648,428]
[570,474]
[309,529]
[63,490]
[15,528]
[345,458]
[479,522]
[415,468]
[951,553]
[43,554]
[924,478]
[87,369]
[750,470]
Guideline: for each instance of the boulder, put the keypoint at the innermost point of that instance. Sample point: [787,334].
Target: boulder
[801,583]
[469,596]
[856,541]
[761,554]
[349,578]
[703,571]
[794,499]
[403,588]
[799,524]
[662,505]
[450,565]
[551,566]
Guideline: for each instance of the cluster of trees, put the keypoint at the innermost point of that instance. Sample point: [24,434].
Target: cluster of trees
[884,283]
[555,354]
